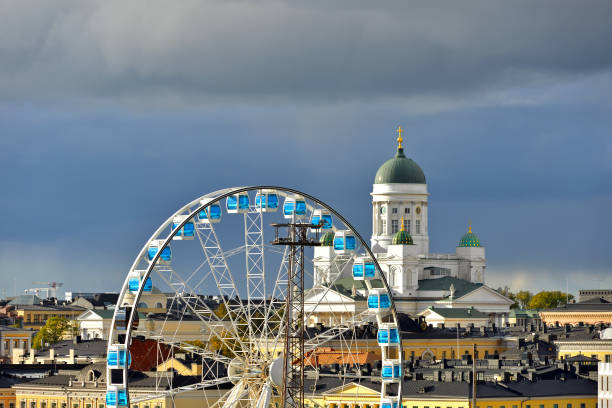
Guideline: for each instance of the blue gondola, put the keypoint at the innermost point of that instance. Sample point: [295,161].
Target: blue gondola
[389,402]
[266,201]
[344,242]
[116,356]
[187,232]
[210,214]
[387,334]
[391,370]
[116,397]
[136,279]
[166,253]
[378,300]
[364,269]
[294,206]
[238,203]
[319,215]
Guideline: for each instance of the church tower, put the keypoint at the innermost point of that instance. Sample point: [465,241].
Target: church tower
[399,191]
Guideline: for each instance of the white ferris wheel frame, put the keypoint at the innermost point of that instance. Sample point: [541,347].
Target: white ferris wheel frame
[193,209]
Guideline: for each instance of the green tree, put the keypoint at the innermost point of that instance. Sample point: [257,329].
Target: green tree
[523,297]
[507,293]
[53,331]
[549,299]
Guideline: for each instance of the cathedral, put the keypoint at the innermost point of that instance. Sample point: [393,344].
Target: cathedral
[423,283]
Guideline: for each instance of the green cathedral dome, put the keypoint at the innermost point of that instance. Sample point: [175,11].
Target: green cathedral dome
[400,169]
[402,238]
[469,239]
[327,239]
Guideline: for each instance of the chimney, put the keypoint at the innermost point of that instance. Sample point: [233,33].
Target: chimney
[71,357]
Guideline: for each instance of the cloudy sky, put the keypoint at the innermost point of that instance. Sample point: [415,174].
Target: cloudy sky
[113,114]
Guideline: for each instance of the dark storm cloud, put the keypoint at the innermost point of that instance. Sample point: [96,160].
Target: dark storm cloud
[195,50]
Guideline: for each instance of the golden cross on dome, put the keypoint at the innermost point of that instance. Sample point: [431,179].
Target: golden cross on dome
[469,226]
[402,226]
[399,137]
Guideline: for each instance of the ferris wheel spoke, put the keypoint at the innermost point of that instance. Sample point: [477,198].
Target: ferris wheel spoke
[276,309]
[255,274]
[198,308]
[183,389]
[225,281]
[337,266]
[265,394]
[232,397]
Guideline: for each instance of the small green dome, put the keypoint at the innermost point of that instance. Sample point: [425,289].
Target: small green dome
[469,239]
[402,238]
[327,239]
[399,169]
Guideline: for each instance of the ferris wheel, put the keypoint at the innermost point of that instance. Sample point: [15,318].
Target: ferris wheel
[254,296]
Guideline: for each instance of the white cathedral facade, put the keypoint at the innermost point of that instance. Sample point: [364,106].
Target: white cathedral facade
[423,283]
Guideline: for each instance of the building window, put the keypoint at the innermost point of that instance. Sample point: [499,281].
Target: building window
[582,405]
[406,210]
[394,226]
[33,404]
[75,405]
[1,404]
[394,210]
[554,405]
[384,227]
[43,404]
[54,405]
[23,404]
[541,405]
[407,226]
[88,405]
[11,405]
[63,405]
[417,226]
[569,405]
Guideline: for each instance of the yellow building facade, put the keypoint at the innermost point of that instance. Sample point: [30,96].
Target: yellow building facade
[354,395]
[595,348]
[35,316]
[12,338]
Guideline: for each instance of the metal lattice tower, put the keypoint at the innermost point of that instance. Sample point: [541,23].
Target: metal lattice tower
[293,368]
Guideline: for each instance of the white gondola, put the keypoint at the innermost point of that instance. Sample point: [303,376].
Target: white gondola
[238,203]
[378,300]
[136,279]
[116,396]
[391,370]
[187,232]
[388,334]
[319,215]
[266,201]
[294,205]
[166,254]
[389,402]
[345,242]
[210,214]
[364,269]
